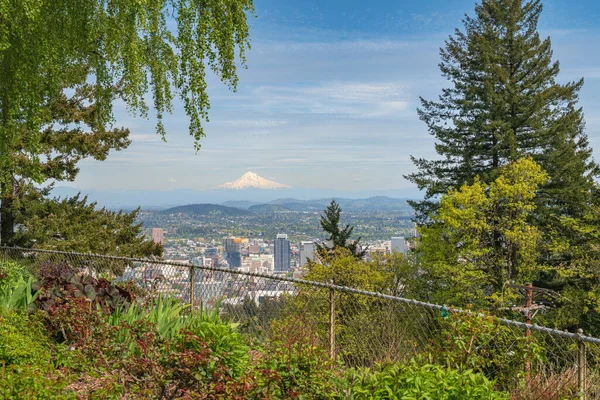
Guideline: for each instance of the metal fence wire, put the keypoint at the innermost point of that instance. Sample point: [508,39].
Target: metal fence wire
[363,328]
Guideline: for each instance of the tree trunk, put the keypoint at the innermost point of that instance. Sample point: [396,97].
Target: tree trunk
[7,219]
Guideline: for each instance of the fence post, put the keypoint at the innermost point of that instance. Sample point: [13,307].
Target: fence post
[581,366]
[192,286]
[331,320]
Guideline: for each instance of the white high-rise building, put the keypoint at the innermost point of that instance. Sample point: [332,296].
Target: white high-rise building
[399,244]
[307,252]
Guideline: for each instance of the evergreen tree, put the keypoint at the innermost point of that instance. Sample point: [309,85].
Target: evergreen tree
[338,237]
[71,133]
[504,103]
[74,224]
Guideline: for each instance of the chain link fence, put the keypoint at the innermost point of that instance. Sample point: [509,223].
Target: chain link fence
[362,328]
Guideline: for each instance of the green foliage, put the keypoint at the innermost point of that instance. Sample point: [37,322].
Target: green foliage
[29,382]
[338,237]
[56,108]
[17,294]
[415,382]
[294,365]
[11,271]
[470,341]
[22,339]
[222,338]
[504,103]
[481,237]
[166,313]
[73,224]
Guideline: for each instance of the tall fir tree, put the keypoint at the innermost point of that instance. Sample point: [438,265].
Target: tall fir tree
[337,237]
[504,103]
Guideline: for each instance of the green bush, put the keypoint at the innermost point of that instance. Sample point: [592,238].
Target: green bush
[22,339]
[11,271]
[294,365]
[223,339]
[26,382]
[413,382]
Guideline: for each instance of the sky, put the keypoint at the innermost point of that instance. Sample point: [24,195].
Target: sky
[329,98]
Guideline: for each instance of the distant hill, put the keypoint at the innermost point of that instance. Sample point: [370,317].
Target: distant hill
[377,203]
[206,209]
[241,204]
[267,208]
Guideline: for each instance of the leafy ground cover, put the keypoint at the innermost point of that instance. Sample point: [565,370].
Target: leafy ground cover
[67,335]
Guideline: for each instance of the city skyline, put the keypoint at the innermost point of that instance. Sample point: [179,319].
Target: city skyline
[329,99]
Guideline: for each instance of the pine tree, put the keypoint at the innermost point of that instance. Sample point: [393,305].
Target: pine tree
[74,224]
[338,237]
[71,133]
[504,103]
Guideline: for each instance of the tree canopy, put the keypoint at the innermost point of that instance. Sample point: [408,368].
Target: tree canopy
[480,238]
[63,63]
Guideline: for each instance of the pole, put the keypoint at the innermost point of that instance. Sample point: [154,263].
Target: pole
[192,287]
[581,367]
[528,304]
[331,321]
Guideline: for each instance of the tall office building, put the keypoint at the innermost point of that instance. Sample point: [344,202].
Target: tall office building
[307,252]
[399,244]
[232,251]
[158,235]
[282,253]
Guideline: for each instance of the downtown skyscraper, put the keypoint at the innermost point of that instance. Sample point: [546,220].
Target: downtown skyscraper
[282,253]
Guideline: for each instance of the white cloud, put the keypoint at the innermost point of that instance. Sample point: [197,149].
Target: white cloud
[347,99]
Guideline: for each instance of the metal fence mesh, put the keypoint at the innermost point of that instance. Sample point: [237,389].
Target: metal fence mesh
[365,328]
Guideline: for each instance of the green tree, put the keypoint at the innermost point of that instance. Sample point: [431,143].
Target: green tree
[70,135]
[337,237]
[74,224]
[481,237]
[114,49]
[504,103]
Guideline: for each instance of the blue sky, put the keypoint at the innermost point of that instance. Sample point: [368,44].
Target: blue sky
[329,98]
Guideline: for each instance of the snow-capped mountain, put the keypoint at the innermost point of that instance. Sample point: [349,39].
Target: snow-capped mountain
[252,180]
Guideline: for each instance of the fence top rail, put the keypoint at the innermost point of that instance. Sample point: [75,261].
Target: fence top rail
[344,289]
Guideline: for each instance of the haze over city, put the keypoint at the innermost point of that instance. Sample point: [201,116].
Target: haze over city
[329,99]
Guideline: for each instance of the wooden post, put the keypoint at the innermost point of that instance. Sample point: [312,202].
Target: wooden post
[192,287]
[528,304]
[332,321]
[581,367]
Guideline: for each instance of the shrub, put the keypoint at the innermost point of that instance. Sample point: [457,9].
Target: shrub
[60,281]
[413,381]
[22,339]
[11,271]
[294,365]
[26,382]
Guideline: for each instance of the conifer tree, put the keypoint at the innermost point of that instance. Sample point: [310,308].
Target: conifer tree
[338,237]
[504,103]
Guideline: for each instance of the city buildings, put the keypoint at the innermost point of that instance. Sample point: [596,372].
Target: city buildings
[232,251]
[158,235]
[399,245]
[282,253]
[307,252]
